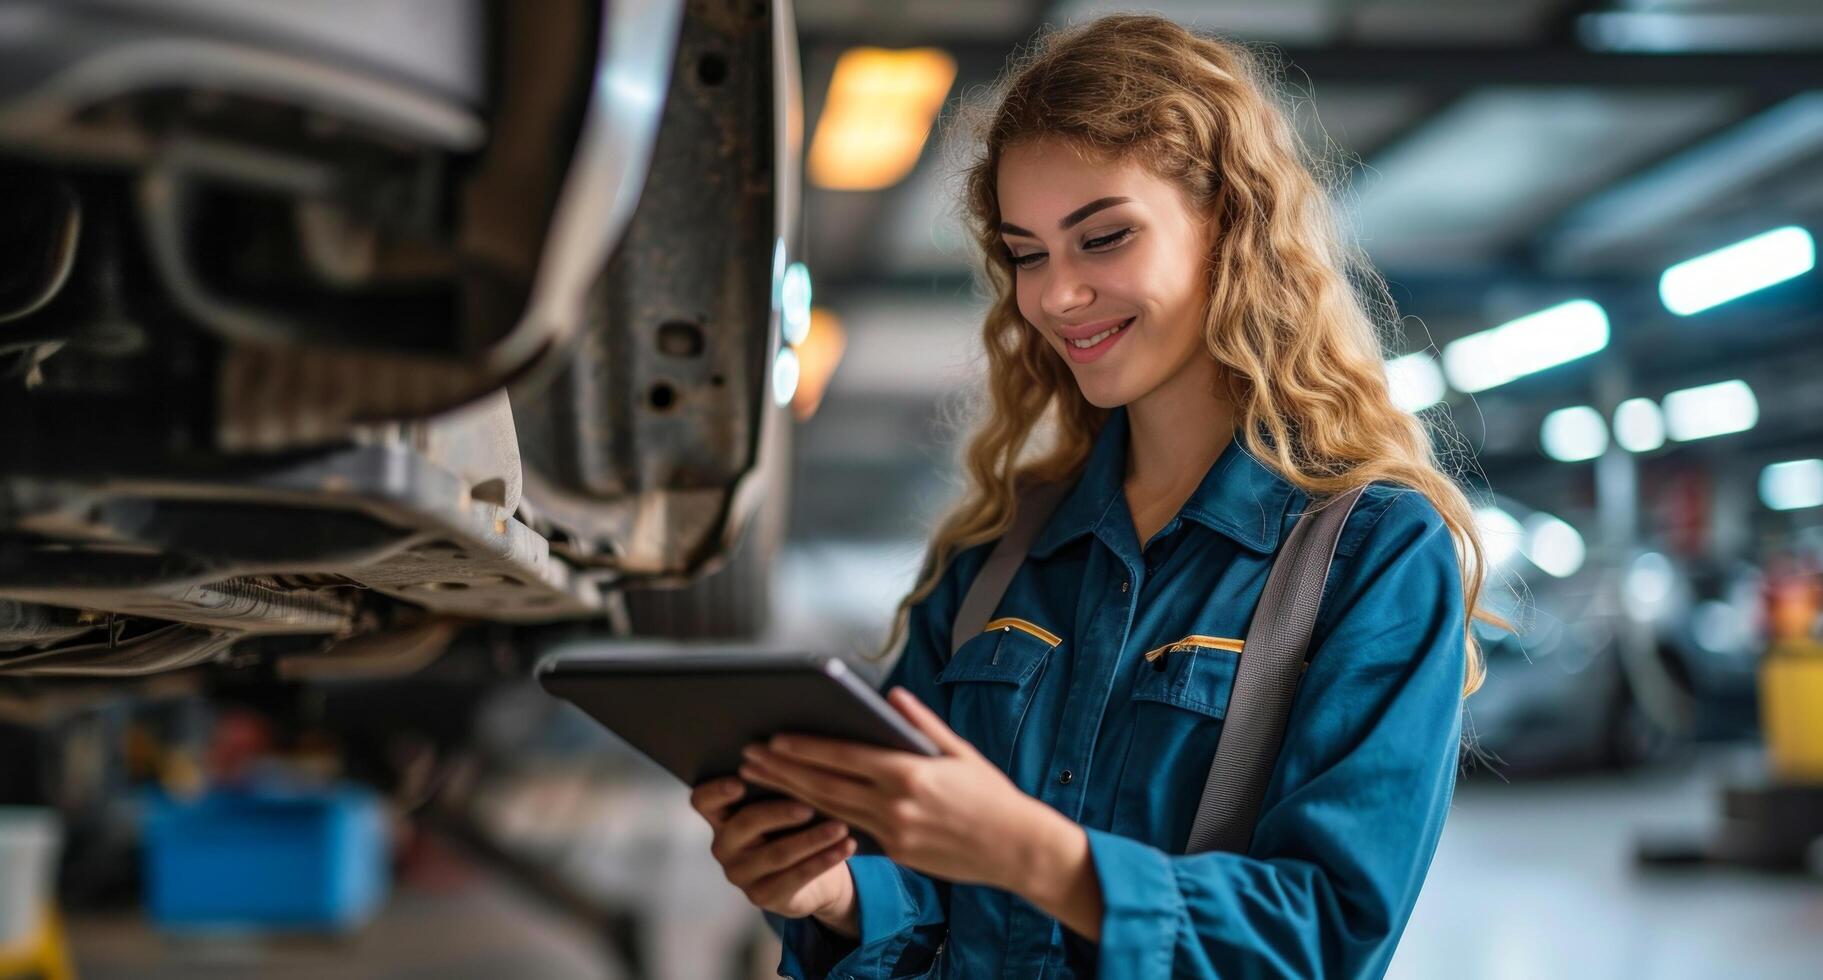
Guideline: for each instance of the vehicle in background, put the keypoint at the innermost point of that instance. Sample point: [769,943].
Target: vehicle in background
[1615,661]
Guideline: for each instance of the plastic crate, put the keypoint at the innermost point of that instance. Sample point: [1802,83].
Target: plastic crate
[265,860]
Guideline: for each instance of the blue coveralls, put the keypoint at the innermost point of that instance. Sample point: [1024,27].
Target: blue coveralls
[1059,693]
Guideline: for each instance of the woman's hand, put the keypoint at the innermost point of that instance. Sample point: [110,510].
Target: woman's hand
[956,816]
[795,875]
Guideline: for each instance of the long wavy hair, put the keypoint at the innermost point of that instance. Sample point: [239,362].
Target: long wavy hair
[1293,305]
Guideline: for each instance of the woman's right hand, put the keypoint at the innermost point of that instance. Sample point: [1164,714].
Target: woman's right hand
[796,875]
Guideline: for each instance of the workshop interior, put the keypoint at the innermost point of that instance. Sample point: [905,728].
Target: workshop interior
[358,355]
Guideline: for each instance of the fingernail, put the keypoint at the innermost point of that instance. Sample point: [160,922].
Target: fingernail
[801,812]
[781,743]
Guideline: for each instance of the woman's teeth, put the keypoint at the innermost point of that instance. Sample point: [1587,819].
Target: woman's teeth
[1088,342]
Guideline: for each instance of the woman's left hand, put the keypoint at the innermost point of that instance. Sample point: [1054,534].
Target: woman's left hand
[955,816]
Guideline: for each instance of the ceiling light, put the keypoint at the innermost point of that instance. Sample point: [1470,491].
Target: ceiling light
[1573,434]
[1694,285]
[877,116]
[1553,545]
[818,355]
[1415,381]
[1793,485]
[1639,427]
[1711,410]
[1527,345]
[1501,534]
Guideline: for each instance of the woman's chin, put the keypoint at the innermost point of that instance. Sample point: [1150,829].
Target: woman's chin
[1104,395]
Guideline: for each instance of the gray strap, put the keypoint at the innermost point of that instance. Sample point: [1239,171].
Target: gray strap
[1030,512]
[1271,664]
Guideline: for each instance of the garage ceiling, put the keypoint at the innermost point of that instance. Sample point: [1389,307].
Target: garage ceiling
[1501,155]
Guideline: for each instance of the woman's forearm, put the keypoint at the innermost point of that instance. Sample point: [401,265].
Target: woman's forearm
[1053,870]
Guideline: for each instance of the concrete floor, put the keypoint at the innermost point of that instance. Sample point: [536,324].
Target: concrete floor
[1538,880]
[475,933]
[1532,880]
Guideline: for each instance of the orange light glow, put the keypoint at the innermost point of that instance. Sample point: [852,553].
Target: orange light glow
[879,112]
[818,356]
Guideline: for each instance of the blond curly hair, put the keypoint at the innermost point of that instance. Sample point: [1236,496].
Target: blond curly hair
[1292,305]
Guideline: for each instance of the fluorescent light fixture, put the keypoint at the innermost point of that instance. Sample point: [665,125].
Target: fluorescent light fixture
[1553,545]
[1501,534]
[1532,343]
[1573,434]
[1639,427]
[878,114]
[785,372]
[794,303]
[1695,285]
[1415,381]
[1711,410]
[1793,485]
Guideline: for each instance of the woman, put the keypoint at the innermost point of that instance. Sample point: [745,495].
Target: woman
[1173,309]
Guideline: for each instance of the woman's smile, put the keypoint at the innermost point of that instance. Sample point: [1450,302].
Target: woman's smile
[1083,349]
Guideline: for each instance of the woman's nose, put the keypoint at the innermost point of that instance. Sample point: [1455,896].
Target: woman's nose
[1065,290]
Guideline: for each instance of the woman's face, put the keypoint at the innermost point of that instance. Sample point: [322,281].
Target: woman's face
[1099,247]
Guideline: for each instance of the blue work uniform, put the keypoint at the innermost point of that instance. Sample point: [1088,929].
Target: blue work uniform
[1100,687]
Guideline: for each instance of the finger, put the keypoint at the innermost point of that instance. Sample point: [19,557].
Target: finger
[714,798]
[772,889]
[851,758]
[836,796]
[783,764]
[755,820]
[926,721]
[813,786]
[786,851]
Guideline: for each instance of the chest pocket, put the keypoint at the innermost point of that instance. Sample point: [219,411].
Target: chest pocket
[1180,696]
[991,679]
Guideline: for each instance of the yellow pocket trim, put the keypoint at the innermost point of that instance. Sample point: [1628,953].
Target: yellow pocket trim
[1023,626]
[1194,642]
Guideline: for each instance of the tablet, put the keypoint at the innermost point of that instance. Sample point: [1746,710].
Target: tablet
[692,709]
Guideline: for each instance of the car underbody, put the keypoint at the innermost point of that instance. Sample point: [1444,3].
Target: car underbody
[326,337]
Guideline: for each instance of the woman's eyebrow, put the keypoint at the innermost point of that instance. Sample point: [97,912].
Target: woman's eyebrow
[1070,220]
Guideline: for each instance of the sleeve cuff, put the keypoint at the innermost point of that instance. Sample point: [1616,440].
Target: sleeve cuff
[885,910]
[885,915]
[1141,907]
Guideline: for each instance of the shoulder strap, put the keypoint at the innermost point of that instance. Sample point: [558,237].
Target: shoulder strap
[1271,664]
[1034,506]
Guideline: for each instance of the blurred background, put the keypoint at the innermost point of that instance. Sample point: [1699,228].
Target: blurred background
[1597,218]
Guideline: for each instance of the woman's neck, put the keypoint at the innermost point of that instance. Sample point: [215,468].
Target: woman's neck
[1176,432]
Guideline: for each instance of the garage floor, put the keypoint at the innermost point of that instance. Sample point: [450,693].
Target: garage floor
[1532,880]
[1539,880]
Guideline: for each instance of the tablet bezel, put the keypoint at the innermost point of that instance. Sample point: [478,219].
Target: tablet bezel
[573,673]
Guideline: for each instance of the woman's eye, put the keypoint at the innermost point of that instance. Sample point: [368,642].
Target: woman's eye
[1094,245]
[1107,240]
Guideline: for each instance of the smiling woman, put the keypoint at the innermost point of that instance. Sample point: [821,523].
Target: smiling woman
[1182,348]
[1127,264]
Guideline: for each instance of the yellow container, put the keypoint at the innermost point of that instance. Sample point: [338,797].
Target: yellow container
[1791,710]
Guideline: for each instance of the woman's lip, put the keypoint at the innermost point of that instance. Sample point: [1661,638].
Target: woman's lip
[1083,355]
[1090,329]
